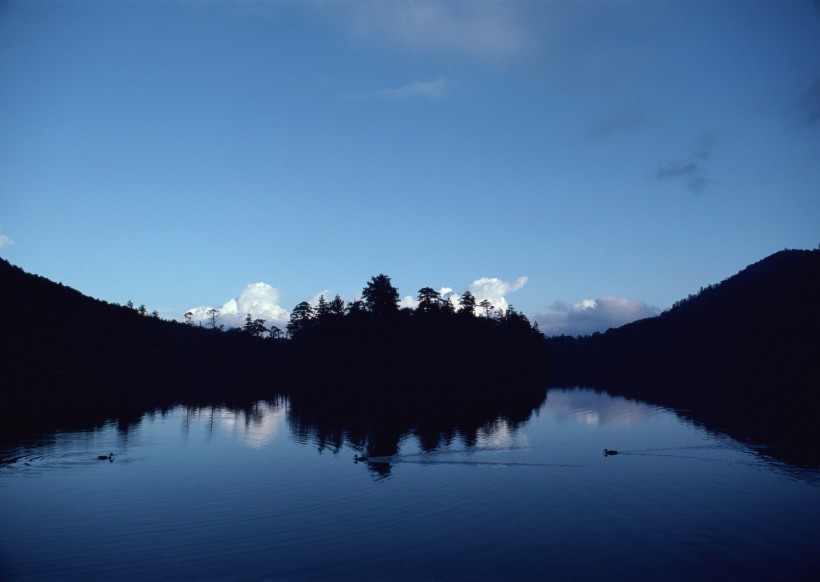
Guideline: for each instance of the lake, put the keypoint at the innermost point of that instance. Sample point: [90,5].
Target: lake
[271,490]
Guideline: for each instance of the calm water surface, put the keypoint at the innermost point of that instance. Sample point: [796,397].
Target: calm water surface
[220,494]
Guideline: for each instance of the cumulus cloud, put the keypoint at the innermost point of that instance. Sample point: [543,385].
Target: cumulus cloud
[690,169]
[430,90]
[495,290]
[409,302]
[490,288]
[259,299]
[448,294]
[590,315]
[5,241]
[484,30]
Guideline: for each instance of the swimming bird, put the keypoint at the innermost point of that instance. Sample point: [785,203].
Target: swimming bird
[358,458]
[608,452]
[108,457]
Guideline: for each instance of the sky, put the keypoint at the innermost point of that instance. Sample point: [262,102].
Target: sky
[588,162]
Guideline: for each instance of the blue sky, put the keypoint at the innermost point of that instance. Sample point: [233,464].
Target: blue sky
[588,162]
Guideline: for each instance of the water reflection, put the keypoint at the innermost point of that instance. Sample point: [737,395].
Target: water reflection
[507,492]
[380,425]
[376,427]
[595,408]
[255,424]
[780,428]
[389,432]
[501,435]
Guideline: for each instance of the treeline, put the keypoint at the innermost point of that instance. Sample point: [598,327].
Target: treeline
[372,344]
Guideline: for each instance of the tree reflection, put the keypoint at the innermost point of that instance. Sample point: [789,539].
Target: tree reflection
[375,426]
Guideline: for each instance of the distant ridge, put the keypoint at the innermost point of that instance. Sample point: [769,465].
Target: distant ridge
[64,354]
[741,357]
[756,329]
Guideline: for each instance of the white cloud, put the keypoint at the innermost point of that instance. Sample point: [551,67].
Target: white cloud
[489,31]
[495,290]
[5,241]
[447,294]
[590,315]
[432,90]
[314,301]
[409,302]
[259,299]
[490,288]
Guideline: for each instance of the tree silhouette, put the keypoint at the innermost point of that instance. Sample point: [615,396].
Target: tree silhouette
[487,307]
[428,300]
[355,307]
[213,315]
[516,320]
[380,297]
[337,307]
[300,319]
[254,327]
[322,308]
[446,306]
[467,303]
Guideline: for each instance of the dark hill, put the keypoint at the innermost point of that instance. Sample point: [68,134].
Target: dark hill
[758,327]
[744,348]
[66,357]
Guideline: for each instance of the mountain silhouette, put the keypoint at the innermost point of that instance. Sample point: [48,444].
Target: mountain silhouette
[66,358]
[743,353]
[758,327]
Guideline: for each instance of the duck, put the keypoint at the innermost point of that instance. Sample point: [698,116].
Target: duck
[108,457]
[357,458]
[608,452]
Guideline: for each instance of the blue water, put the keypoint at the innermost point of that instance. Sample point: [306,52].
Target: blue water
[213,493]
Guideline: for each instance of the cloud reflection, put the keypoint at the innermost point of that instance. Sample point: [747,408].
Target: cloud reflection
[255,427]
[500,435]
[591,408]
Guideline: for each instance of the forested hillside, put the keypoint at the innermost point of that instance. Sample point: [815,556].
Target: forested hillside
[741,356]
[758,328]
[63,351]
